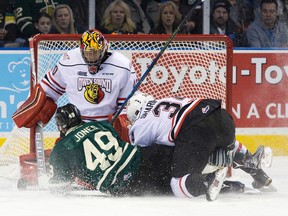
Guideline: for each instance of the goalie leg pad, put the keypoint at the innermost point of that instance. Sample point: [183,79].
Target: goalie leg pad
[221,158]
[38,107]
[28,171]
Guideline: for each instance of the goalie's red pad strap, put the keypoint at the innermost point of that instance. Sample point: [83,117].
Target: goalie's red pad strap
[120,124]
[36,108]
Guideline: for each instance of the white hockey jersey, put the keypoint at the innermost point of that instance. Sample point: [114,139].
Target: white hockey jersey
[95,95]
[161,120]
[156,121]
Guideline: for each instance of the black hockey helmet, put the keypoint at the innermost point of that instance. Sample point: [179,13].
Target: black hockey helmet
[66,117]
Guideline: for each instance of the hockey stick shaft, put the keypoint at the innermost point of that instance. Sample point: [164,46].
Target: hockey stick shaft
[195,4]
[39,146]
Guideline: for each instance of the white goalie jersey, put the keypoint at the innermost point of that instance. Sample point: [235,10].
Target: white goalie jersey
[155,122]
[95,95]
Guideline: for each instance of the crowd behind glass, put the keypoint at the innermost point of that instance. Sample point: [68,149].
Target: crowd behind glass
[249,23]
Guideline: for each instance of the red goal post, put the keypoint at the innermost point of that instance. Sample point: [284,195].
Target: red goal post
[191,66]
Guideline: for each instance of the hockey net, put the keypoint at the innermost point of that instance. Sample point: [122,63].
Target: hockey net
[191,66]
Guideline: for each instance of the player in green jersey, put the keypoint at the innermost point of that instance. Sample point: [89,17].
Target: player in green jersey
[92,154]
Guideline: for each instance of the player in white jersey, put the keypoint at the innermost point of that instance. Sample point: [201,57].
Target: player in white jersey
[196,128]
[95,80]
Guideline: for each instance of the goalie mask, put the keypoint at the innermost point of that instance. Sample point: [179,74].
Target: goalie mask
[93,49]
[66,117]
[135,104]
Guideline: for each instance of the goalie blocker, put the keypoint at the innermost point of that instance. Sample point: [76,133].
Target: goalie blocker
[37,108]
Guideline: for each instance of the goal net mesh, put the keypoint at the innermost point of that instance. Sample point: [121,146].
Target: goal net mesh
[192,66]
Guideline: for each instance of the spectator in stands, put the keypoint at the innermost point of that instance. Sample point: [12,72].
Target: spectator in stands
[117,19]
[281,11]
[138,16]
[268,30]
[63,21]
[221,23]
[8,27]
[170,18]
[27,10]
[43,23]
[152,9]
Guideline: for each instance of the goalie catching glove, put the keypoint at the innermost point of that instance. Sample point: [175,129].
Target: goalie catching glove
[38,107]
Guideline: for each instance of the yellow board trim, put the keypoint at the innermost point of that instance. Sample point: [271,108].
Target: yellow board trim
[48,140]
[278,143]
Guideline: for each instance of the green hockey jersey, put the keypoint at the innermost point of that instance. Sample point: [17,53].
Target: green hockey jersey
[94,153]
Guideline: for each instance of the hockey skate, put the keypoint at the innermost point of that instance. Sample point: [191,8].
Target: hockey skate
[260,179]
[215,185]
[253,164]
[261,157]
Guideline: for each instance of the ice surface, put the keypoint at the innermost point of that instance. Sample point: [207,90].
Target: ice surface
[42,203]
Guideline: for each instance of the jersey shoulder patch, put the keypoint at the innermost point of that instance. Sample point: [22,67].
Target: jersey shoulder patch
[72,57]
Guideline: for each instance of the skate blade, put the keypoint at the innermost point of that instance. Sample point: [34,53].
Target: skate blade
[266,189]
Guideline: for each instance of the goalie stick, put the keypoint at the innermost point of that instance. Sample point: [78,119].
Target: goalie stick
[36,132]
[39,144]
[195,4]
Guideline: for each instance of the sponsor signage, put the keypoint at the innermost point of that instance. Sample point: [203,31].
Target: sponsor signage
[259,90]
[14,84]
